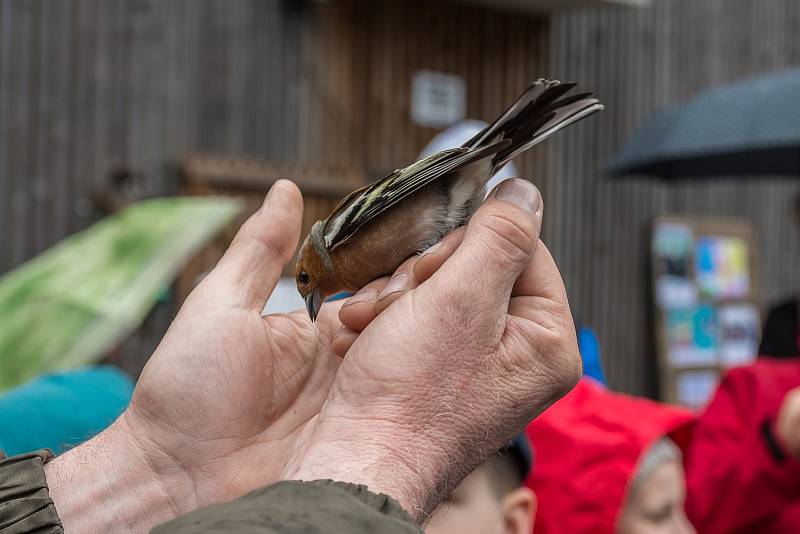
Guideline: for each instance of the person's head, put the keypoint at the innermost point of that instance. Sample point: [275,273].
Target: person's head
[491,500]
[656,494]
[597,465]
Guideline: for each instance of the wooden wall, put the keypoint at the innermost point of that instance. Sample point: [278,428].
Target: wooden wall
[639,61]
[89,85]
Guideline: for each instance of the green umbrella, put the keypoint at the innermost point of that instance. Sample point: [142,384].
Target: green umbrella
[72,303]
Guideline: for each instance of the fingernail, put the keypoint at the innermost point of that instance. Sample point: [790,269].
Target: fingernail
[397,283]
[519,192]
[367,295]
[430,249]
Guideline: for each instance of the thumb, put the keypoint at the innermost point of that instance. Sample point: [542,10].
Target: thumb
[255,259]
[499,243]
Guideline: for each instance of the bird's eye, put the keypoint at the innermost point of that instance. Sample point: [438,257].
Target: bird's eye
[304,278]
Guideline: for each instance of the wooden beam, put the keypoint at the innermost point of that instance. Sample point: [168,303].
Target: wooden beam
[544,6]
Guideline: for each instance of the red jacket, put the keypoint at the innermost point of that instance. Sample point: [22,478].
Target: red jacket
[587,446]
[736,480]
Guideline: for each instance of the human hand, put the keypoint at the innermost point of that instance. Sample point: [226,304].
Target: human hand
[454,367]
[221,401]
[787,425]
[358,311]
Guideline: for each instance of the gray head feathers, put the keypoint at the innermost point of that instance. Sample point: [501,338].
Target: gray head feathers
[318,240]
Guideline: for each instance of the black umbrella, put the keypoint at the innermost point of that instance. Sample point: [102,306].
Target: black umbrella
[749,128]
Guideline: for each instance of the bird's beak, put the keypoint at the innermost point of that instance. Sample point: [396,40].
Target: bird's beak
[313,304]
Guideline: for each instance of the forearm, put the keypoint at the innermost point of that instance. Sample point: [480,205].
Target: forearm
[108,485]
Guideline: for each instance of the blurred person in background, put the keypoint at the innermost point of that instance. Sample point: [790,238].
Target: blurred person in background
[780,337]
[492,499]
[60,410]
[743,461]
[613,463]
[608,463]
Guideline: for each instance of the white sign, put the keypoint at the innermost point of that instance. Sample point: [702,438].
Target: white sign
[438,99]
[740,328]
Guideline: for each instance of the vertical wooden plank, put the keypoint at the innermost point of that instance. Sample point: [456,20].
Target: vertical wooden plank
[20,96]
[54,155]
[148,79]
[93,104]
[6,232]
[295,119]
[177,105]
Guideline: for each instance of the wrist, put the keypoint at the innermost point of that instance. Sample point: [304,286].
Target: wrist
[384,460]
[109,484]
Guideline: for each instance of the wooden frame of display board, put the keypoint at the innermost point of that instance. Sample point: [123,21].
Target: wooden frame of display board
[687,371]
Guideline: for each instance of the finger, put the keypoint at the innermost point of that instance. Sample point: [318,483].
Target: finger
[540,299]
[255,259]
[359,310]
[541,278]
[498,246]
[343,340]
[401,282]
[433,258]
[364,306]
[328,323]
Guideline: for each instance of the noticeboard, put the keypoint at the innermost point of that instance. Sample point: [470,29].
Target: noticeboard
[705,287]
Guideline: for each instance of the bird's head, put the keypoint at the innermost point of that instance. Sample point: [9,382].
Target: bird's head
[314,271]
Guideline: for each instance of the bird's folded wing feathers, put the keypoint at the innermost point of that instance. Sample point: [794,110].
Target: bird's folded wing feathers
[543,92]
[361,206]
[541,110]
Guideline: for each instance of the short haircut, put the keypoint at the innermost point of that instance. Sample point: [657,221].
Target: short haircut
[506,470]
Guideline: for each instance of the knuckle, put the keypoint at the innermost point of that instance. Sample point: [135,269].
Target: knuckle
[551,351]
[573,370]
[511,238]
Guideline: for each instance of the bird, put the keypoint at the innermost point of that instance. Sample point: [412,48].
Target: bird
[377,227]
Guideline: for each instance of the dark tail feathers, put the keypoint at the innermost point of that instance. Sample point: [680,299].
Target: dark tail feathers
[543,109]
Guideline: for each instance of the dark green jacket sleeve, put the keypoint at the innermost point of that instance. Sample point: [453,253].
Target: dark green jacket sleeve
[285,507]
[25,504]
[288,507]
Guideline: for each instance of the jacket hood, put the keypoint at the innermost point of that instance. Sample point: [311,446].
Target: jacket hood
[587,448]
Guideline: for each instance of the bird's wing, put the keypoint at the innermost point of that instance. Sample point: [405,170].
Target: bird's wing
[540,111]
[363,205]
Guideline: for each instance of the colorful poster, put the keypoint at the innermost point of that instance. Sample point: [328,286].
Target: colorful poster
[672,251]
[739,329]
[672,246]
[674,292]
[721,266]
[692,336]
[695,388]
